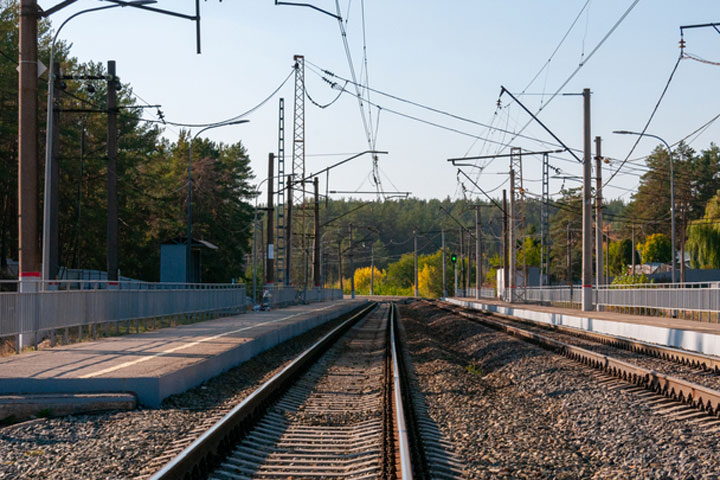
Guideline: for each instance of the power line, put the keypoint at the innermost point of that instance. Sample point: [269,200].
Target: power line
[581,65]
[647,124]
[552,55]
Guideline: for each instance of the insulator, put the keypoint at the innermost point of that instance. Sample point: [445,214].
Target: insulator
[682,43]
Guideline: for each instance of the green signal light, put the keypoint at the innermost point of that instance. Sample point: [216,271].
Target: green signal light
[453,258]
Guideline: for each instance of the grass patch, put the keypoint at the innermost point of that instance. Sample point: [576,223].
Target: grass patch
[474,369]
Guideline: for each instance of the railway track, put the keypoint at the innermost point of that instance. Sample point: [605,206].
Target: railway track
[340,410]
[686,377]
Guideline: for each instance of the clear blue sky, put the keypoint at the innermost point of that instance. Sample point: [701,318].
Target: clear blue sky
[453,56]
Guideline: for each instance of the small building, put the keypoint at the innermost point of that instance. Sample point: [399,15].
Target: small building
[173,260]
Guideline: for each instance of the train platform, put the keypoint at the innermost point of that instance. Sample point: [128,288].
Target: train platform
[703,337]
[157,364]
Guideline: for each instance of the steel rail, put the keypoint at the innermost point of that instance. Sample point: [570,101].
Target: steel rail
[683,357]
[200,456]
[406,471]
[698,396]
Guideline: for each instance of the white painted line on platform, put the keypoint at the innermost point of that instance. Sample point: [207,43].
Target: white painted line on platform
[192,344]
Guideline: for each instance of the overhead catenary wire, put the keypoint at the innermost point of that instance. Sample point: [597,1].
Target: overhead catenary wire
[647,124]
[581,65]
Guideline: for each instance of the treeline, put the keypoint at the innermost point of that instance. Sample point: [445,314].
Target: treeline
[384,232]
[152,175]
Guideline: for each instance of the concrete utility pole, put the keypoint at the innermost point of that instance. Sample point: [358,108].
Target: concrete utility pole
[289,232]
[607,258]
[29,257]
[506,262]
[598,213]
[478,254]
[254,258]
[569,260]
[633,249]
[270,265]
[415,262]
[112,198]
[372,270]
[444,273]
[587,208]
[340,270]
[316,244]
[352,265]
[469,264]
[511,238]
[53,248]
[462,262]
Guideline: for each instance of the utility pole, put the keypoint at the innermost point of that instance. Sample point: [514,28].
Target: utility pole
[316,249]
[29,268]
[598,213]
[511,238]
[112,198]
[416,261]
[254,258]
[444,267]
[607,259]
[289,232]
[53,254]
[569,261]
[270,265]
[545,223]
[372,269]
[462,262]
[633,249]
[506,263]
[587,208]
[352,265]
[455,276]
[478,254]
[468,269]
[340,270]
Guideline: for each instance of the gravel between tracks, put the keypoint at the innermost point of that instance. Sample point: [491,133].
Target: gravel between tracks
[119,445]
[514,410]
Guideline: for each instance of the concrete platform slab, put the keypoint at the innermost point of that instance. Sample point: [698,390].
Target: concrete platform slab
[674,332]
[157,364]
[22,406]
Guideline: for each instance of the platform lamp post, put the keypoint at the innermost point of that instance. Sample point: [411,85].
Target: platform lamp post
[188,252]
[672,192]
[49,154]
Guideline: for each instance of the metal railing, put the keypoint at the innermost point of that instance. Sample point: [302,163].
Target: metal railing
[485,292]
[698,297]
[553,294]
[667,297]
[103,284]
[49,310]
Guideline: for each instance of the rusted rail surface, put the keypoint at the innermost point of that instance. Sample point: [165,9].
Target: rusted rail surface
[701,397]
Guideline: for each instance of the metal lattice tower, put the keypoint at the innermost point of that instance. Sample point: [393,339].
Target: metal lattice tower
[545,219]
[518,213]
[298,162]
[280,209]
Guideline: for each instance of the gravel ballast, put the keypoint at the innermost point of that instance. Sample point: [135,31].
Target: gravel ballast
[514,410]
[120,445]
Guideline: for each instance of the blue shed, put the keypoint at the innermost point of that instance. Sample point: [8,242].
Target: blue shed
[173,260]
